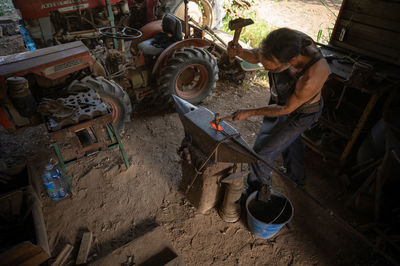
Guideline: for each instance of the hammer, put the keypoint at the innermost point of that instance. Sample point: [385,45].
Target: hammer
[215,123]
[237,25]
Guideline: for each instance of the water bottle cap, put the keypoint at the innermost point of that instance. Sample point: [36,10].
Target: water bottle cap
[48,166]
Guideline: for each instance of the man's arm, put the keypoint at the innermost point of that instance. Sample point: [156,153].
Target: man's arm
[306,88]
[250,56]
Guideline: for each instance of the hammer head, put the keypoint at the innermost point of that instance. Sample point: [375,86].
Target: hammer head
[240,23]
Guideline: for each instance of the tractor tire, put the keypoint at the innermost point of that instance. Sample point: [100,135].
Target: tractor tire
[205,12]
[190,73]
[112,94]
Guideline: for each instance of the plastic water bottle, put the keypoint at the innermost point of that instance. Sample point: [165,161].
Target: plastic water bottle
[63,189]
[27,38]
[54,182]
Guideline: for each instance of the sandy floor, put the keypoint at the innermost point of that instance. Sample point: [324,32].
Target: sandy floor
[119,205]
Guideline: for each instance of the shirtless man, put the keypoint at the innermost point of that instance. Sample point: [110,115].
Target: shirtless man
[297,73]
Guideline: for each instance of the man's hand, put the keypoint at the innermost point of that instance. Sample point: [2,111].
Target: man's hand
[241,114]
[234,50]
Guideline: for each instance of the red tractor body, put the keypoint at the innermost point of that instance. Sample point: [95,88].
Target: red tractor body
[42,8]
[51,62]
[52,22]
[47,66]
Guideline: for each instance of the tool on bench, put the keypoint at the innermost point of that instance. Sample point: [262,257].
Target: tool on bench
[237,25]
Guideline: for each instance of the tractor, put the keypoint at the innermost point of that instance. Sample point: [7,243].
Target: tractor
[52,22]
[162,62]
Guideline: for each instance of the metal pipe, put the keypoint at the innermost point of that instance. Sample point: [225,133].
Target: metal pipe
[111,19]
[186,19]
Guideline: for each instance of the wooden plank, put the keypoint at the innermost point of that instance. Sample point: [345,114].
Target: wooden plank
[153,244]
[373,34]
[38,221]
[35,260]
[25,253]
[11,204]
[35,170]
[366,19]
[363,51]
[84,248]
[383,9]
[63,255]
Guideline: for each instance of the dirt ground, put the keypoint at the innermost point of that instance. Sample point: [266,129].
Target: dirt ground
[308,16]
[118,205]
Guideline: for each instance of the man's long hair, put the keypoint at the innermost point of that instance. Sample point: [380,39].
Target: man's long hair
[284,44]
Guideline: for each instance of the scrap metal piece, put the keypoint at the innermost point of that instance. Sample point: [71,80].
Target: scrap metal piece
[55,109]
[84,106]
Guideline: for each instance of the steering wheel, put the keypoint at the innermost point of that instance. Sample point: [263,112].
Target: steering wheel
[124,33]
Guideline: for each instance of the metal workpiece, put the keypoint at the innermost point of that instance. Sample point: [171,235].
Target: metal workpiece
[230,208]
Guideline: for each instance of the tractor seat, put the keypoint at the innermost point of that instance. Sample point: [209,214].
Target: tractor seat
[172,32]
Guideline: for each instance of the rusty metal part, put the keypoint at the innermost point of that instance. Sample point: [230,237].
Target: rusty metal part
[76,35]
[86,106]
[21,96]
[230,209]
[237,25]
[231,72]
[176,46]
[55,109]
[69,135]
[114,59]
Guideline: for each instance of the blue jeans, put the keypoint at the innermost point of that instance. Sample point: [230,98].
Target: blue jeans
[278,135]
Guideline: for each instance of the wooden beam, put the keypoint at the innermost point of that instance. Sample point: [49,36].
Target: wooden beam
[63,255]
[84,248]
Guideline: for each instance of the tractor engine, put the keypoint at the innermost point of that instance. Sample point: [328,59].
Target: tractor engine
[52,22]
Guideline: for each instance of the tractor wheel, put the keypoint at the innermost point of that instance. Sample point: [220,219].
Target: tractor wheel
[114,95]
[190,73]
[205,12]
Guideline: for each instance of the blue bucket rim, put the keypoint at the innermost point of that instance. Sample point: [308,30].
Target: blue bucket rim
[253,195]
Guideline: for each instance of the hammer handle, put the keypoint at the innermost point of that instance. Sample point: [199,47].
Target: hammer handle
[235,42]
[229,117]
